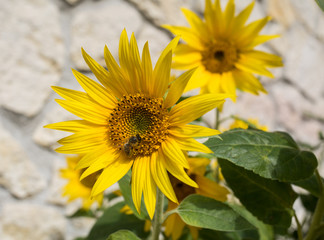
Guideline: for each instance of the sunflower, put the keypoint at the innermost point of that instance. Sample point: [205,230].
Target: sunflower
[222,47]
[76,189]
[174,224]
[132,121]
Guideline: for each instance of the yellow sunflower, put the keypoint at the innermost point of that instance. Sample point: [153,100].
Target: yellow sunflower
[132,121]
[76,189]
[222,47]
[174,224]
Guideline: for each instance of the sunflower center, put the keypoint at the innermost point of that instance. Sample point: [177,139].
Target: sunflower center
[138,125]
[219,57]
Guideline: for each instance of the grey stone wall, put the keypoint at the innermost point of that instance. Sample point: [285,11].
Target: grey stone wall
[40,42]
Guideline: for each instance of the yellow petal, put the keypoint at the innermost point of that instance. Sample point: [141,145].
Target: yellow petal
[198,165]
[94,114]
[73,126]
[84,137]
[247,82]
[190,144]
[259,40]
[139,175]
[228,85]
[79,148]
[214,84]
[200,78]
[162,76]
[103,153]
[161,177]
[147,70]
[177,88]
[177,171]
[266,59]
[197,24]
[190,37]
[193,131]
[111,174]
[248,33]
[242,17]
[192,108]
[95,91]
[229,14]
[149,194]
[172,151]
[114,84]
[211,189]
[252,66]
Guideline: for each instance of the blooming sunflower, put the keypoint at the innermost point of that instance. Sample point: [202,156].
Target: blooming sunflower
[75,188]
[222,47]
[174,224]
[132,121]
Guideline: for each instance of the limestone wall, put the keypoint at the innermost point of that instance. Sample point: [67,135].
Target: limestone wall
[40,42]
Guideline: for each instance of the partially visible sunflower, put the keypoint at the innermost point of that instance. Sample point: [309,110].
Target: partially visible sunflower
[76,189]
[206,187]
[222,47]
[133,122]
[240,123]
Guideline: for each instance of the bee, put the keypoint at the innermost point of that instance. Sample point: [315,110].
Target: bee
[132,142]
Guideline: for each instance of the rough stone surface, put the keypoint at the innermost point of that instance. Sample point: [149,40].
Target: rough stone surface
[93,28]
[48,137]
[29,221]
[32,55]
[40,40]
[17,173]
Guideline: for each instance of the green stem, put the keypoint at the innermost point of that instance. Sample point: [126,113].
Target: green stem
[157,222]
[319,211]
[299,228]
[217,119]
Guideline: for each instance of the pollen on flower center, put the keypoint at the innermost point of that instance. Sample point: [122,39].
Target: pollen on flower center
[138,125]
[219,57]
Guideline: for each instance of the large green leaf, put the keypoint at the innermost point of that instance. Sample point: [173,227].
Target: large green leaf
[201,211]
[273,155]
[265,231]
[320,4]
[113,220]
[122,235]
[125,188]
[310,184]
[269,200]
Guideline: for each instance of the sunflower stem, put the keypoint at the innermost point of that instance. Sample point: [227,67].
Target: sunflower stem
[217,119]
[299,228]
[157,221]
[319,211]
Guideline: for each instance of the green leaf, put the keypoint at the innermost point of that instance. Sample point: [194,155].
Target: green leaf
[310,184]
[320,3]
[201,211]
[207,234]
[125,188]
[122,235]
[113,220]
[83,213]
[309,202]
[269,200]
[265,231]
[273,155]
